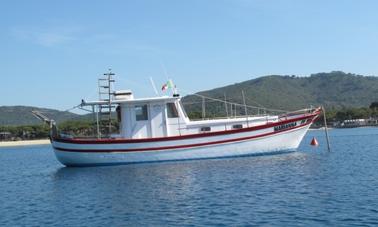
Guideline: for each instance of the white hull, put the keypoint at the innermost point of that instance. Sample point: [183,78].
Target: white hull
[158,129]
[238,144]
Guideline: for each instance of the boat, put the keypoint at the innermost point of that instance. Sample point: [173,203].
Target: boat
[158,129]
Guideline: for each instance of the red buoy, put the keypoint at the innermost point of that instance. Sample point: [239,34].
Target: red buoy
[314,142]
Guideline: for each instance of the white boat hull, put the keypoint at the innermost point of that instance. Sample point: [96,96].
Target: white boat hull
[246,142]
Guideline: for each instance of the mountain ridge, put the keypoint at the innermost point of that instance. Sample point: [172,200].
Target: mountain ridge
[333,90]
[22,115]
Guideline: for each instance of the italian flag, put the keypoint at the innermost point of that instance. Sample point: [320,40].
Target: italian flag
[167,85]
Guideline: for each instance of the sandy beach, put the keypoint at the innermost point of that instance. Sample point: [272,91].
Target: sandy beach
[24,143]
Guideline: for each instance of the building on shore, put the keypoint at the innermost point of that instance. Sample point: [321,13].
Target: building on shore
[352,123]
[5,136]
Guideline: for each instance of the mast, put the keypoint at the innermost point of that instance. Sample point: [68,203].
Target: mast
[245,108]
[203,108]
[105,92]
[225,104]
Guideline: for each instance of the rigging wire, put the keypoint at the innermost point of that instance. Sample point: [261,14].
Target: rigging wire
[119,78]
[233,103]
[72,108]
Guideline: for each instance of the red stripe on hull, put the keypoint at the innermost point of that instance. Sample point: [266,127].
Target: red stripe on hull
[191,136]
[186,145]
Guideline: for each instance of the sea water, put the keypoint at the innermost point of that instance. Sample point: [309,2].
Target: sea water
[310,187]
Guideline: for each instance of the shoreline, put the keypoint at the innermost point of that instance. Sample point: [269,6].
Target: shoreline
[24,143]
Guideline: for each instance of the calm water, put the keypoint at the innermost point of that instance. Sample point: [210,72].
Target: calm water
[310,187]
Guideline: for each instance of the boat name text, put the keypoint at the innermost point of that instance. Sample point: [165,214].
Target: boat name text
[285,126]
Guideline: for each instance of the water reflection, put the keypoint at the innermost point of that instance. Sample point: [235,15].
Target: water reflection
[128,188]
[217,188]
[171,182]
[313,187]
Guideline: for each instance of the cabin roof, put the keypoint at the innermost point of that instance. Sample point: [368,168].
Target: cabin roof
[132,101]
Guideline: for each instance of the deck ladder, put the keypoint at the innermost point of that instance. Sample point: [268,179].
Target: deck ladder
[105,94]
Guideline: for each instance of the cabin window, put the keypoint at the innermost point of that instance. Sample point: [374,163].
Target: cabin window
[172,110]
[118,110]
[237,126]
[141,113]
[183,109]
[205,129]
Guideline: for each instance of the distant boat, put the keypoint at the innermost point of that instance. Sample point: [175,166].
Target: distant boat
[158,129]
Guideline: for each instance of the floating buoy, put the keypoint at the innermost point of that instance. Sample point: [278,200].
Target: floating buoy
[314,142]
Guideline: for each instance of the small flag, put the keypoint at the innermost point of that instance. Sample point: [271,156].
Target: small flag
[167,85]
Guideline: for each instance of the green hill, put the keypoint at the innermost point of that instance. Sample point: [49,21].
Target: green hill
[333,90]
[21,115]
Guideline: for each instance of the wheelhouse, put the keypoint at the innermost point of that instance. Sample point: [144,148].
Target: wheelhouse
[149,118]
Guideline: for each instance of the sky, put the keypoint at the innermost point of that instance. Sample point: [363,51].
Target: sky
[53,52]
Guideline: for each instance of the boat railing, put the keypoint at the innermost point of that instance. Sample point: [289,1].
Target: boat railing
[265,118]
[304,112]
[229,117]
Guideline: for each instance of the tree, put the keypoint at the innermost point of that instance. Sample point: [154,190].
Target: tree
[373,105]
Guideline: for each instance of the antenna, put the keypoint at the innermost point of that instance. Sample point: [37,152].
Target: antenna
[164,69]
[153,86]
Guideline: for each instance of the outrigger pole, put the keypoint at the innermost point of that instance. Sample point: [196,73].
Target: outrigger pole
[50,122]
